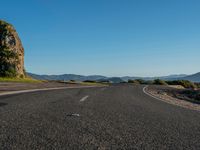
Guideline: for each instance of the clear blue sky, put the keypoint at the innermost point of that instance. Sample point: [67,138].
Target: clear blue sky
[108,37]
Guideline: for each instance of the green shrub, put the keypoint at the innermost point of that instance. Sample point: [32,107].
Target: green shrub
[90,81]
[192,94]
[140,81]
[7,67]
[184,83]
[133,81]
[197,85]
[104,81]
[159,82]
[21,76]
[11,71]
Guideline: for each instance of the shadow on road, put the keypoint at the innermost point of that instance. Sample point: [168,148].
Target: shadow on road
[3,104]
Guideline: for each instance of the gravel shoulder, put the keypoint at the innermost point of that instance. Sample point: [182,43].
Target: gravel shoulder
[169,95]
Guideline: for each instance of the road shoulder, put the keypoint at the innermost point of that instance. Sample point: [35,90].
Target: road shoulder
[151,91]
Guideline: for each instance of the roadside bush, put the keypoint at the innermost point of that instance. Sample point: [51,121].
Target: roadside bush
[133,81]
[11,72]
[103,81]
[140,81]
[90,81]
[197,85]
[184,83]
[7,67]
[159,82]
[191,94]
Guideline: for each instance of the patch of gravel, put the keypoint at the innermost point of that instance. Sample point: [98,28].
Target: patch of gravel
[159,93]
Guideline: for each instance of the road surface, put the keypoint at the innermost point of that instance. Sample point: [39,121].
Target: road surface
[114,117]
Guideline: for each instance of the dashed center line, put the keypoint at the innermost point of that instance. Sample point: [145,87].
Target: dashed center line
[84,98]
[102,89]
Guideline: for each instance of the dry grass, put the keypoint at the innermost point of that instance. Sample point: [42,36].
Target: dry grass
[24,80]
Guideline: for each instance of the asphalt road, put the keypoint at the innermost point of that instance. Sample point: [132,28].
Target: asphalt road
[115,117]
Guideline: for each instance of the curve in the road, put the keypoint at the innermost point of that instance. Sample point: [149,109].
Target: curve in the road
[118,117]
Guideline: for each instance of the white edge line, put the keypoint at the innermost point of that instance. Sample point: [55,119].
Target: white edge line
[160,99]
[84,98]
[45,89]
[144,90]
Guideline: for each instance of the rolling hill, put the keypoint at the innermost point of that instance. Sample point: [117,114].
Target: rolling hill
[194,78]
[66,77]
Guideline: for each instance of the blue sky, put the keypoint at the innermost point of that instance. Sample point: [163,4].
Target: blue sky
[107,37]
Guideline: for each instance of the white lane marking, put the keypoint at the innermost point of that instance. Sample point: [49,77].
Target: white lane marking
[103,89]
[160,99]
[163,100]
[84,98]
[45,89]
[73,115]
[144,90]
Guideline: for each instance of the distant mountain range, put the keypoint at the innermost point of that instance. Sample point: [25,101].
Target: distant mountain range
[194,77]
[66,77]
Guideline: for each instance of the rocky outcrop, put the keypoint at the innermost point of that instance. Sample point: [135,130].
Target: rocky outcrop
[11,52]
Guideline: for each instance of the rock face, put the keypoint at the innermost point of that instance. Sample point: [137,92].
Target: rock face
[11,52]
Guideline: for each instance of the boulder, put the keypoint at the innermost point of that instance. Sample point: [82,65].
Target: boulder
[11,52]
